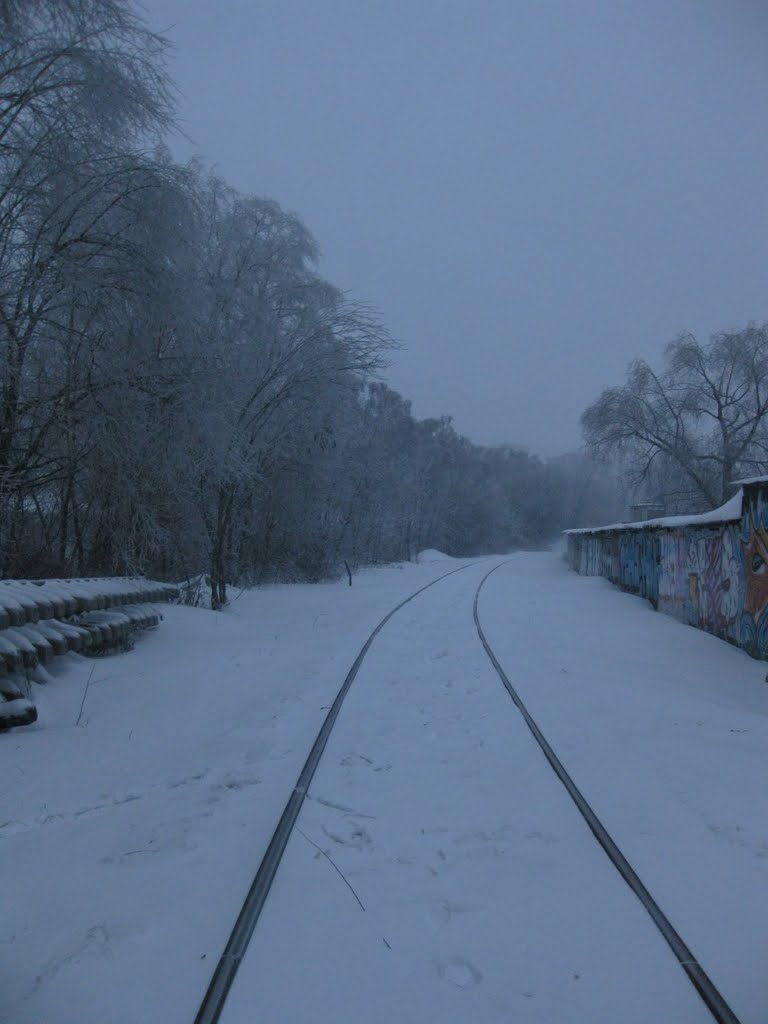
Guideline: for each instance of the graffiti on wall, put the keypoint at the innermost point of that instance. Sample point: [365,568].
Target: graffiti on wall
[713,576]
[732,572]
[701,578]
[754,542]
[674,585]
[717,567]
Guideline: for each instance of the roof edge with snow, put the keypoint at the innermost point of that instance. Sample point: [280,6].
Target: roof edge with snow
[728,513]
[750,480]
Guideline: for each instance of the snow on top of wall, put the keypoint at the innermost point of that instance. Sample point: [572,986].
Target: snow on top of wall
[727,513]
[750,480]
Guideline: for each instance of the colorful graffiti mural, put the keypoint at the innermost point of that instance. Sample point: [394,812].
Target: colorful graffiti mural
[754,543]
[707,572]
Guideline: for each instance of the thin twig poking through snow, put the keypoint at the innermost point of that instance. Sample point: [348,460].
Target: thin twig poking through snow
[334,866]
[85,694]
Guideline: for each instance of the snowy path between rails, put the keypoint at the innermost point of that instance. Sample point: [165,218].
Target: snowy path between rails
[485,896]
[128,843]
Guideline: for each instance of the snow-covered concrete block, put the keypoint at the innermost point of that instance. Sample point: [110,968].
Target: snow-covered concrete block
[40,619]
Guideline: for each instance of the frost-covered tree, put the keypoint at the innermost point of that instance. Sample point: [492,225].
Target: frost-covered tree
[276,340]
[693,426]
[81,84]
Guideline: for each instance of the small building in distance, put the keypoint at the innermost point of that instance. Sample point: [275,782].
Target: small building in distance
[646,510]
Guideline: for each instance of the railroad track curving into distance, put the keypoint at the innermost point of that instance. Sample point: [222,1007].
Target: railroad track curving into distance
[229,962]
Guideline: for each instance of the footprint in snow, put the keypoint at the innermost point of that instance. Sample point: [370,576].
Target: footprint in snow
[358,837]
[187,780]
[443,911]
[459,972]
[349,760]
[547,838]
[354,760]
[340,807]
[96,941]
[235,782]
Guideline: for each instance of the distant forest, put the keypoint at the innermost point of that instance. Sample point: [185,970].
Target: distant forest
[182,392]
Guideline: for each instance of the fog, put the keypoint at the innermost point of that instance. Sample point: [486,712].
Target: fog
[532,194]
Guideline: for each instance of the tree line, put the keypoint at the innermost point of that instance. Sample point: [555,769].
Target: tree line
[182,391]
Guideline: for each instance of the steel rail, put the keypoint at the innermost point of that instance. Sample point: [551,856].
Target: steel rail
[699,978]
[235,949]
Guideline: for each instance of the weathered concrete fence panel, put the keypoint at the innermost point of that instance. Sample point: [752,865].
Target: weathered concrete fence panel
[40,619]
[709,571]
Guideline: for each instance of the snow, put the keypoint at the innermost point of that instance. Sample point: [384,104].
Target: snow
[750,480]
[430,555]
[729,512]
[132,839]
[29,600]
[15,709]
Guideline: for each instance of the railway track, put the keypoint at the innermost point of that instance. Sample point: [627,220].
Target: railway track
[226,969]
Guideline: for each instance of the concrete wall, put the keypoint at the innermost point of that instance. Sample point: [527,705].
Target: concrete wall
[713,575]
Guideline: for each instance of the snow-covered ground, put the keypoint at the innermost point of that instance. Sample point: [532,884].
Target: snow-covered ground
[665,730]
[129,842]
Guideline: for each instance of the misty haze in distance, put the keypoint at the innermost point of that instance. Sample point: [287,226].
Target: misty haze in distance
[532,194]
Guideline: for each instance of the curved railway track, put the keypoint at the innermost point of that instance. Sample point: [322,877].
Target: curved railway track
[215,997]
[698,977]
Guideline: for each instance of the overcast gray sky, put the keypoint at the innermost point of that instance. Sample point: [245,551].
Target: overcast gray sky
[533,192]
